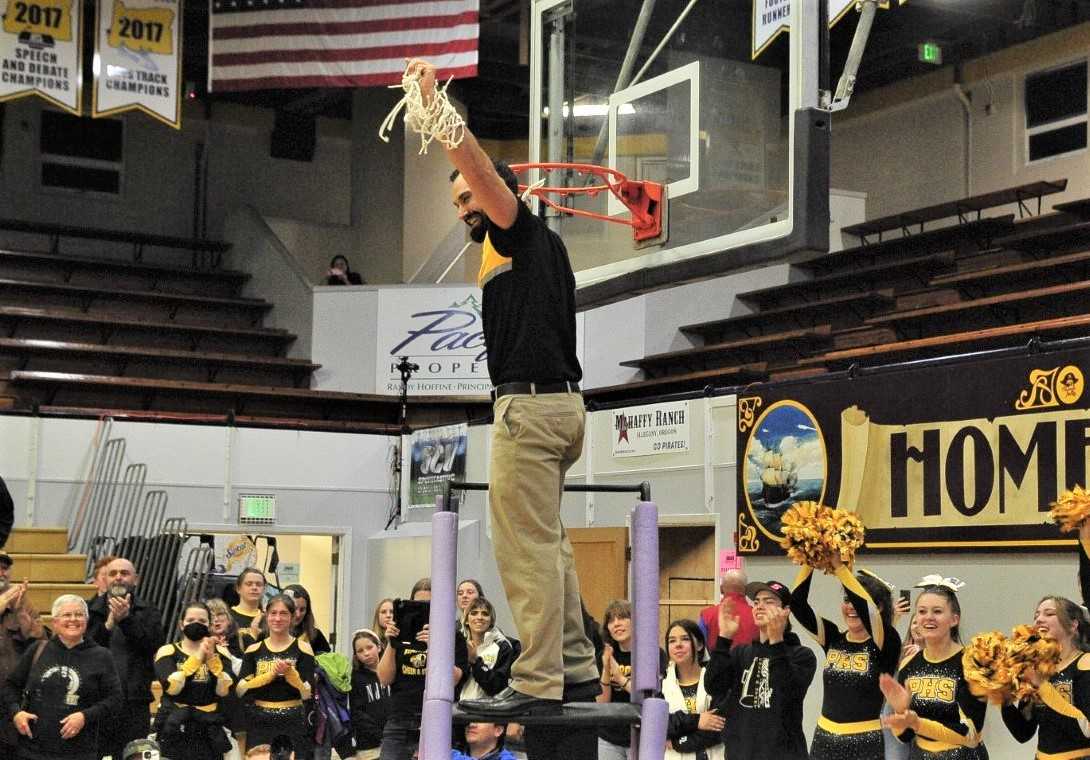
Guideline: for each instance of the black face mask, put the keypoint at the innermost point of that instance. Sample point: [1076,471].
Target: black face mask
[195,631]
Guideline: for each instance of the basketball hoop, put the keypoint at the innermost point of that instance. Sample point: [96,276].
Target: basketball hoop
[645,200]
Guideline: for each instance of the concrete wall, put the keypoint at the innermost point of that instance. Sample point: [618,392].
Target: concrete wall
[905,145]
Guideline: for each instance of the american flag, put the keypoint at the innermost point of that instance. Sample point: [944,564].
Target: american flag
[271,44]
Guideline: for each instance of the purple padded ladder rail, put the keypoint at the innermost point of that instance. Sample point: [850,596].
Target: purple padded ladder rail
[649,739]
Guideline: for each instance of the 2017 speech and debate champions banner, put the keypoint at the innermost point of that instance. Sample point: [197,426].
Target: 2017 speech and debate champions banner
[951,456]
[41,47]
[139,62]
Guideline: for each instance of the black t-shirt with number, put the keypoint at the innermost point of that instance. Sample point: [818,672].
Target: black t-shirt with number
[528,312]
[407,690]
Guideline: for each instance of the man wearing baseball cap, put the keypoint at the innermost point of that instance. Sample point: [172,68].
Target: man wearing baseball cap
[765,681]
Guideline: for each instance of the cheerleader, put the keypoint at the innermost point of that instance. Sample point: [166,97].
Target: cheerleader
[850,725]
[1059,713]
[195,675]
[931,702]
[275,681]
[694,728]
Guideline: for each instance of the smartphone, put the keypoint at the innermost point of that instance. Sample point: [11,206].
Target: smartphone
[410,617]
[906,595]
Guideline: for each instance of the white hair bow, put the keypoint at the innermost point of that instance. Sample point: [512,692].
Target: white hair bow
[935,579]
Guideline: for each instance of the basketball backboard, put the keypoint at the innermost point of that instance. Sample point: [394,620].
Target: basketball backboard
[716,99]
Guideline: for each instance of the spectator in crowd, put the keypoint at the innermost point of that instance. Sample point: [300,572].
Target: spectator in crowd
[484,741]
[490,653]
[302,624]
[694,728]
[384,615]
[369,701]
[250,586]
[467,591]
[98,574]
[7,513]
[195,675]
[340,273]
[616,678]
[732,591]
[131,630]
[275,681]
[403,667]
[20,626]
[64,692]
[226,636]
[766,679]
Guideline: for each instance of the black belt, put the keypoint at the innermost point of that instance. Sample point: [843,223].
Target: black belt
[533,389]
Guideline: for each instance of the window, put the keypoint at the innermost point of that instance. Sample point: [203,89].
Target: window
[1056,112]
[81,154]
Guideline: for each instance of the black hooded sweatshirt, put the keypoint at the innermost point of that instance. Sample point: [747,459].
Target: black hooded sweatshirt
[765,684]
[64,681]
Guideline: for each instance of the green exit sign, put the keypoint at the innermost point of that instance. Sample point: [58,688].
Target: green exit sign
[930,52]
[256,508]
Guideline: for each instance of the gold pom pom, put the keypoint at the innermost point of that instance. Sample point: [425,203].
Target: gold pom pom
[984,661]
[1072,509]
[813,533]
[996,666]
[1027,649]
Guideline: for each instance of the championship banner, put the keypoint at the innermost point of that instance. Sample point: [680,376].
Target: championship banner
[41,49]
[441,331]
[436,457]
[640,431]
[953,456]
[772,17]
[138,59]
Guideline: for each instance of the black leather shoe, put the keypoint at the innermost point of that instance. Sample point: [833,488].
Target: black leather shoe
[584,691]
[510,704]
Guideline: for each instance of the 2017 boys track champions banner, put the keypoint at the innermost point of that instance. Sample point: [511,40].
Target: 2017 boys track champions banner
[139,64]
[940,457]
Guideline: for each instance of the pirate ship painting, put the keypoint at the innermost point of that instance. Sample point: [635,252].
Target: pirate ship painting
[784,464]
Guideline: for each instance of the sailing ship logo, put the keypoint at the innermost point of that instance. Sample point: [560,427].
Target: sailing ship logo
[785,463]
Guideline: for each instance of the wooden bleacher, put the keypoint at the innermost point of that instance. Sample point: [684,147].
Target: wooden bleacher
[89,336]
[963,209]
[996,284]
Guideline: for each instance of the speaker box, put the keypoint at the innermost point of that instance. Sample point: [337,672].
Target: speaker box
[293,137]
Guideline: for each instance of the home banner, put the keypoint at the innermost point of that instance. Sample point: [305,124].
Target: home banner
[951,456]
[138,59]
[41,47]
[773,17]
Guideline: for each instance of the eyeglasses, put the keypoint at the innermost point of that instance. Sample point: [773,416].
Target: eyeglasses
[72,616]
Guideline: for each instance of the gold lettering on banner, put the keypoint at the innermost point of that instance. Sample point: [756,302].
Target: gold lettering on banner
[1051,387]
[748,542]
[142,30]
[961,473]
[45,17]
[747,412]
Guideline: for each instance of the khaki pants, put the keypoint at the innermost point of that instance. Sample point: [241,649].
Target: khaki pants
[535,439]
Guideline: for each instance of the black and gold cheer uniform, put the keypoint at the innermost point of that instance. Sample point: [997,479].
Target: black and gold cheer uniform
[850,726]
[190,721]
[1059,717]
[951,718]
[243,620]
[275,703]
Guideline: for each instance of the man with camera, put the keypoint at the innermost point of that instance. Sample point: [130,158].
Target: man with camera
[123,623]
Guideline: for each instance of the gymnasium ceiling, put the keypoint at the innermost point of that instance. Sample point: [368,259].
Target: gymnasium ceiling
[499,97]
